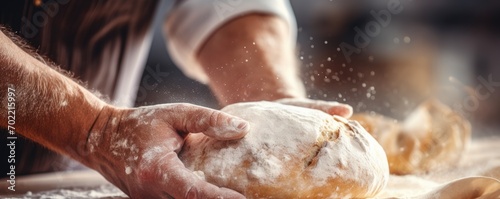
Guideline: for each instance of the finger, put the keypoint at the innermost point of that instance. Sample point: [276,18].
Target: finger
[216,124]
[332,108]
[342,110]
[183,183]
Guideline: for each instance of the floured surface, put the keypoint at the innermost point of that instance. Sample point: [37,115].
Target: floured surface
[99,190]
[482,159]
[106,191]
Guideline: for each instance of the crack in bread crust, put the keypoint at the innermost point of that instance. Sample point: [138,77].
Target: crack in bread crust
[326,136]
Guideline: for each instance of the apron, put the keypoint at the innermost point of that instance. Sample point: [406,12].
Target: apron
[103,43]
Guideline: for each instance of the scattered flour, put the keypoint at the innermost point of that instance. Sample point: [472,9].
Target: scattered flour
[128,170]
[106,191]
[150,154]
[93,141]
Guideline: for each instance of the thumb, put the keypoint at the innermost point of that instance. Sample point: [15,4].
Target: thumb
[213,123]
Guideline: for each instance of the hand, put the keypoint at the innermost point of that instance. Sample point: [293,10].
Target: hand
[332,108]
[259,63]
[136,149]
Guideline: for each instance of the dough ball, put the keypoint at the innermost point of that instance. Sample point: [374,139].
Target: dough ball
[433,137]
[291,152]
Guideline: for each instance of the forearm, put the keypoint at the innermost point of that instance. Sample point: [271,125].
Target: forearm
[252,58]
[50,108]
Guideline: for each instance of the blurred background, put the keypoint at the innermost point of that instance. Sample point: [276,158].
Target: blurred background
[449,50]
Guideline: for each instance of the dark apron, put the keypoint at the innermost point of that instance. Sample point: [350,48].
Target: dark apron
[85,37]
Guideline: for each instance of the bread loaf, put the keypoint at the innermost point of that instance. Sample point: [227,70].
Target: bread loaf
[291,152]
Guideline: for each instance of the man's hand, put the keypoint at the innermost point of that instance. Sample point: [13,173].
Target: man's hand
[136,149]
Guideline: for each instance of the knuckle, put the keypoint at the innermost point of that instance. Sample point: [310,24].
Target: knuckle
[192,192]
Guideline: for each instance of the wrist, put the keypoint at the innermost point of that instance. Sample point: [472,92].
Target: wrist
[94,147]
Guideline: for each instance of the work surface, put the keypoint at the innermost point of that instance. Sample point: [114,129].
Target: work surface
[480,166]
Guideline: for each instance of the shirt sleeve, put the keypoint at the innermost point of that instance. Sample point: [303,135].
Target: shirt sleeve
[191,22]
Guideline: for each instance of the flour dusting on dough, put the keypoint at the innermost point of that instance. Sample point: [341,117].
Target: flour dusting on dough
[290,146]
